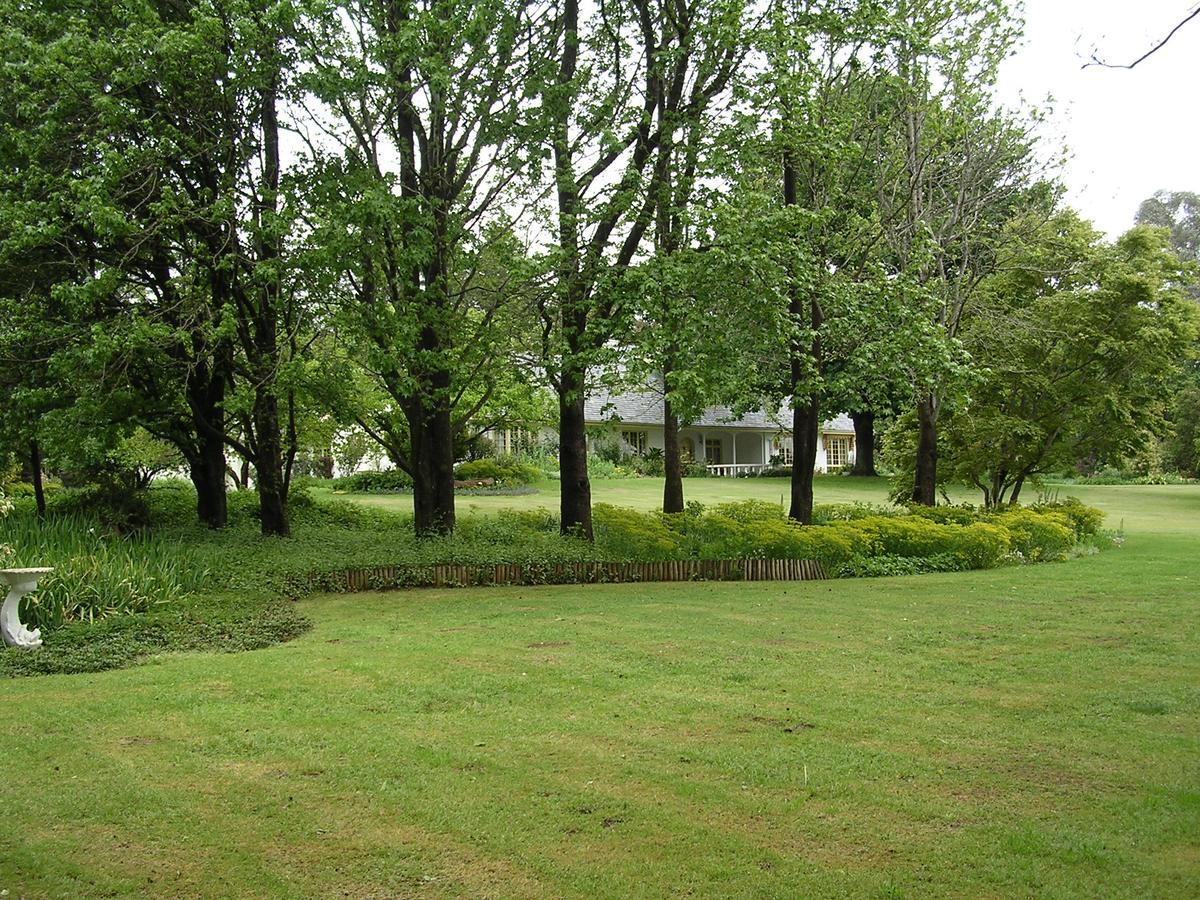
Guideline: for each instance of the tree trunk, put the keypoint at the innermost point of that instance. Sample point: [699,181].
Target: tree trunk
[672,463]
[575,507]
[925,482]
[864,444]
[431,459]
[1016,489]
[39,489]
[265,353]
[268,465]
[207,471]
[806,431]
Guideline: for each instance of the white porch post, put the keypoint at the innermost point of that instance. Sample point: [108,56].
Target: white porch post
[702,456]
[733,441]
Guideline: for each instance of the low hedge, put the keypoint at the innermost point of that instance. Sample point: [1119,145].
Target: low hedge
[950,538]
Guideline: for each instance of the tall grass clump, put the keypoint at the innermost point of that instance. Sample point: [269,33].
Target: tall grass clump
[97,573]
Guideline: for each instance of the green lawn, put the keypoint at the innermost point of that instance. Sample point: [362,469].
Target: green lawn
[1022,731]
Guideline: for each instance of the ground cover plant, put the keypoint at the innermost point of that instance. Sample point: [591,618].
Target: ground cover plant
[1029,730]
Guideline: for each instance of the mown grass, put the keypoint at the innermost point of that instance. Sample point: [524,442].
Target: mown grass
[1022,731]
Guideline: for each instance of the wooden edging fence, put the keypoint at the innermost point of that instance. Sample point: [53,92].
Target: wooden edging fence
[385,577]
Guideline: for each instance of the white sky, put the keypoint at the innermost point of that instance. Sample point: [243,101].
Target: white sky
[1128,132]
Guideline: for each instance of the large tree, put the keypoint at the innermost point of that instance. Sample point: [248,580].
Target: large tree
[426,107]
[623,81]
[806,211]
[953,169]
[1075,342]
[175,181]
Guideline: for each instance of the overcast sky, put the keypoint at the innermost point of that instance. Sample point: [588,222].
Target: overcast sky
[1129,132]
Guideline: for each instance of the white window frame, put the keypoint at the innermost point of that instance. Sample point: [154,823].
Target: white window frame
[837,451]
[638,440]
[784,452]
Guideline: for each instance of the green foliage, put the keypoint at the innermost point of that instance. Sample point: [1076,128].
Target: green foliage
[1077,343]
[1038,536]
[97,574]
[824,513]
[748,511]
[391,481]
[887,566]
[1114,476]
[21,490]
[633,535]
[233,625]
[502,471]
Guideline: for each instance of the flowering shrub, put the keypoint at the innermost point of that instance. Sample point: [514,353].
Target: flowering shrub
[1085,521]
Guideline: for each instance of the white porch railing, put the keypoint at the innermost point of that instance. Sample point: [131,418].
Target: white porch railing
[732,470]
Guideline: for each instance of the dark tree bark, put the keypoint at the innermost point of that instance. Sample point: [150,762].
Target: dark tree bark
[575,507]
[672,463]
[864,444]
[39,489]
[806,417]
[268,465]
[431,464]
[203,444]
[261,336]
[1016,489]
[925,481]
[207,471]
[806,432]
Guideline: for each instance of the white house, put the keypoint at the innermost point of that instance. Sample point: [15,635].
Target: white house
[726,443]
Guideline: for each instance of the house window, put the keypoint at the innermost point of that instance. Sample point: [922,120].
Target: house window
[511,441]
[712,451]
[635,439]
[783,452]
[837,452]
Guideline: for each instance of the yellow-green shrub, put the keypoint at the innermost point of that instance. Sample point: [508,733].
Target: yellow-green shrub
[963,539]
[832,546]
[1038,535]
[1085,521]
[629,534]
[747,511]
[715,536]
[947,515]
[982,545]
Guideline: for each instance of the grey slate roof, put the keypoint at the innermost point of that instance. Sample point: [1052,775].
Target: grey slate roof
[645,407]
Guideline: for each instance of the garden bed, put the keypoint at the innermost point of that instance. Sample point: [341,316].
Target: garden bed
[116,597]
